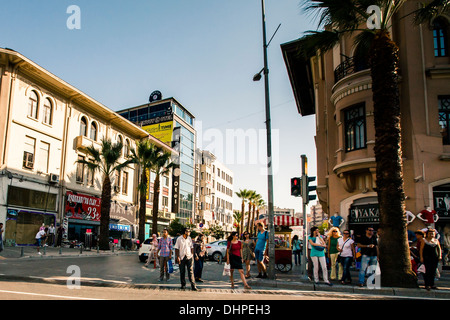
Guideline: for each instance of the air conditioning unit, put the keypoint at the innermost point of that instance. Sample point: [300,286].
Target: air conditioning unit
[53,178]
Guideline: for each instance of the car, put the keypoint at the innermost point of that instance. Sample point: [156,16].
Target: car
[217,250]
[145,248]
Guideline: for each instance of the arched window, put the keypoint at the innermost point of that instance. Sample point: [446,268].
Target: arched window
[120,139]
[127,147]
[48,110]
[83,127]
[440,40]
[93,134]
[33,103]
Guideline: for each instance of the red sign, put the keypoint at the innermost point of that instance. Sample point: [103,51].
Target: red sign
[83,207]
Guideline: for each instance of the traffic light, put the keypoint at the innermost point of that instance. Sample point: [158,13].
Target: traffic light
[307,188]
[296,187]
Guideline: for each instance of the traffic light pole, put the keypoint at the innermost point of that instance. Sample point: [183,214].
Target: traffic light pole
[305,220]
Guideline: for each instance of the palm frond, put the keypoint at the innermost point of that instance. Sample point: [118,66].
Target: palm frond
[427,12]
[315,41]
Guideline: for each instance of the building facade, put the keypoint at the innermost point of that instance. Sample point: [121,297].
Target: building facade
[215,193]
[170,122]
[336,88]
[46,125]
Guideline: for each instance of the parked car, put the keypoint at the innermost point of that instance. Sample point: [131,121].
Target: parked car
[145,248]
[217,250]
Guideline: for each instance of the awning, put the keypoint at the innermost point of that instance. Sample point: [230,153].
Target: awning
[283,220]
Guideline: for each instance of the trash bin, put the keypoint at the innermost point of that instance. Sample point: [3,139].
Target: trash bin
[88,241]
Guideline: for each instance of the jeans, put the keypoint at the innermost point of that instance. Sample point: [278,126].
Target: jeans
[323,265]
[346,263]
[163,268]
[198,268]
[366,261]
[189,265]
[297,257]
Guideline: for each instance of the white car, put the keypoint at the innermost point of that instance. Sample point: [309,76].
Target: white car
[145,248]
[217,250]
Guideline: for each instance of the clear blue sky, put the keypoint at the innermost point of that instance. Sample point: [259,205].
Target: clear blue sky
[203,53]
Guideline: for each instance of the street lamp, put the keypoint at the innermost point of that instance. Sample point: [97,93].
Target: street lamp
[257,77]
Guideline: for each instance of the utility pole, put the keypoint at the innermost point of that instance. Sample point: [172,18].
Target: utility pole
[305,221]
[271,267]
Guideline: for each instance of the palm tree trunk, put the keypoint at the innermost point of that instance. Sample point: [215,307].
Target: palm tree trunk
[105,214]
[252,225]
[394,253]
[142,206]
[155,205]
[241,229]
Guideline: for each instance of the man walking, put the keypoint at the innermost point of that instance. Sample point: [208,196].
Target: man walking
[165,254]
[260,249]
[369,252]
[184,255]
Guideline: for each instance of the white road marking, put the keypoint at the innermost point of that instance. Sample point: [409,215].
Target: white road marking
[47,295]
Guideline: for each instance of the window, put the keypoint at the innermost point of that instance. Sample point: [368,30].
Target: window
[117,182]
[28,154]
[125,183]
[48,108]
[444,117]
[127,147]
[33,103]
[440,38]
[165,201]
[43,156]
[93,134]
[355,127]
[83,127]
[80,170]
[91,177]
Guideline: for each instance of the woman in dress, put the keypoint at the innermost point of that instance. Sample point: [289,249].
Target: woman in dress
[234,258]
[430,254]
[247,252]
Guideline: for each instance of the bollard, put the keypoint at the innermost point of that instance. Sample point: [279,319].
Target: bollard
[219,261]
[45,250]
[81,249]
[21,252]
[98,249]
[113,248]
[60,250]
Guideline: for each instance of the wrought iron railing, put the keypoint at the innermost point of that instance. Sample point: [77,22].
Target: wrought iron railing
[349,66]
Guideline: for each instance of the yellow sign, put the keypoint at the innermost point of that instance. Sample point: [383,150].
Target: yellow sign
[162,131]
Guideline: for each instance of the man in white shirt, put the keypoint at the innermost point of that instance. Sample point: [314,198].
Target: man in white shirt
[40,236]
[184,256]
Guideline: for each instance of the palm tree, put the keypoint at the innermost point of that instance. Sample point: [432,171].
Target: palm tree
[243,194]
[259,204]
[142,157]
[161,164]
[105,160]
[237,216]
[343,18]
[251,197]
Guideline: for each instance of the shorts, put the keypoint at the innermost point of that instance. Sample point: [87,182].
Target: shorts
[259,255]
[38,242]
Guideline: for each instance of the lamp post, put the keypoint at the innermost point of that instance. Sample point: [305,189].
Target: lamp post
[257,77]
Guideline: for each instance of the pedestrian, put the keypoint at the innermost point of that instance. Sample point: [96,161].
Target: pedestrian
[296,249]
[369,253]
[260,249]
[347,253]
[234,258]
[184,253]
[152,256]
[430,254]
[40,238]
[318,246]
[165,254]
[247,253]
[59,236]
[51,235]
[333,253]
[1,237]
[199,257]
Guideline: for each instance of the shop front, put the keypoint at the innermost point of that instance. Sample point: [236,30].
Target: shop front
[27,210]
[441,200]
[122,223]
[363,213]
[81,216]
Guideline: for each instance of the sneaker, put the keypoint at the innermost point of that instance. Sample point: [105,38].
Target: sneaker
[259,275]
[329,284]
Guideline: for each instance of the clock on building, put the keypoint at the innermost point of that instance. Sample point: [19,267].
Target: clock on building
[155,96]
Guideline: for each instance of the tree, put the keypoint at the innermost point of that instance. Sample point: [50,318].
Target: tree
[237,216]
[159,160]
[344,18]
[142,157]
[243,194]
[259,204]
[251,197]
[106,161]
[256,197]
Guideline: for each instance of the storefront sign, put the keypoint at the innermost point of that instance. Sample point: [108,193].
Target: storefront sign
[119,227]
[123,212]
[82,207]
[441,198]
[368,213]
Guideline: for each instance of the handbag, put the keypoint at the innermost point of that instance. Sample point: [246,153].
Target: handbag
[317,247]
[226,269]
[421,268]
[339,258]
[170,266]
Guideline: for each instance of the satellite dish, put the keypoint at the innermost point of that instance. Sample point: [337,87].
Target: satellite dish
[155,96]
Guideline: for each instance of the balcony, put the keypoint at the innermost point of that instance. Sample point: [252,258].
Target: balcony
[349,66]
[83,142]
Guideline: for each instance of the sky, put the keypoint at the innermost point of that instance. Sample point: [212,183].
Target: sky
[203,53]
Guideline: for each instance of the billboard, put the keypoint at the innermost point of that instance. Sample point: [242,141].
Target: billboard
[162,131]
[82,207]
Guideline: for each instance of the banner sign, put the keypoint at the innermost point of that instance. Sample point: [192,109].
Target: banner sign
[368,213]
[82,207]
